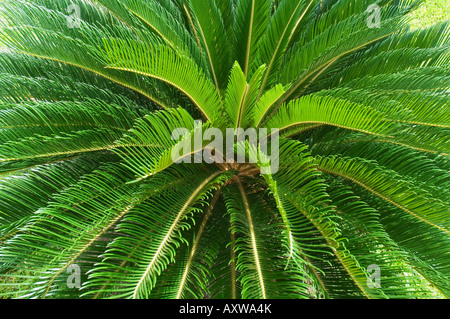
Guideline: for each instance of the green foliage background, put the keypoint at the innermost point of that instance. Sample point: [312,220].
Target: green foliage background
[431,12]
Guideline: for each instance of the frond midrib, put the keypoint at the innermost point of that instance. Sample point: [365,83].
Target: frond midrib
[178,217]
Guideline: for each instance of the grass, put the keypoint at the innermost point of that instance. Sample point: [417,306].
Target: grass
[430,12]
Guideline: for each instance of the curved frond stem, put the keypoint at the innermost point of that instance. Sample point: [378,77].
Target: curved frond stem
[168,82]
[151,98]
[315,124]
[180,214]
[126,260]
[91,150]
[120,18]
[322,68]
[30,167]
[270,65]
[425,124]
[89,244]
[233,266]
[249,41]
[80,151]
[412,147]
[241,107]
[198,236]
[274,189]
[318,75]
[368,188]
[208,54]
[340,255]
[299,20]
[301,130]
[252,235]
[266,102]
[191,23]
[166,40]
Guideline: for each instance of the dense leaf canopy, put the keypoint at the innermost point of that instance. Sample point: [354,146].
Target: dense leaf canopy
[90,96]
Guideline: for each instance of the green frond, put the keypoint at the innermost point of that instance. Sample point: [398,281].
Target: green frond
[367,240]
[286,19]
[207,240]
[390,62]
[163,64]
[38,132]
[390,187]
[426,252]
[297,191]
[212,33]
[266,102]
[79,216]
[160,140]
[241,96]
[162,21]
[111,185]
[261,275]
[424,79]
[80,47]
[30,78]
[24,191]
[118,9]
[410,164]
[335,43]
[144,258]
[417,108]
[329,110]
[424,247]
[346,269]
[252,20]
[228,12]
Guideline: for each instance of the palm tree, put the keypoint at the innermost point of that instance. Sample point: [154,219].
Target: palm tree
[91,194]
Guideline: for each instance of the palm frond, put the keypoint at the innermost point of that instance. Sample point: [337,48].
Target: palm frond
[252,20]
[330,111]
[42,131]
[241,96]
[162,63]
[111,186]
[80,48]
[145,258]
[389,187]
[214,39]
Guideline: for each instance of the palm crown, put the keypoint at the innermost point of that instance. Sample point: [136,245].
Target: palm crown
[90,96]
